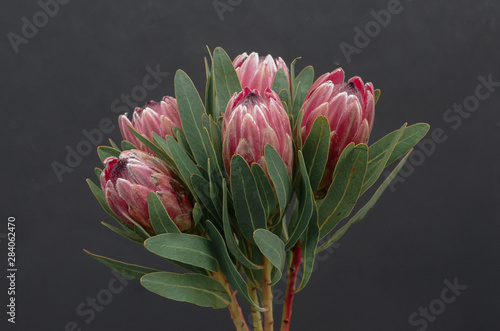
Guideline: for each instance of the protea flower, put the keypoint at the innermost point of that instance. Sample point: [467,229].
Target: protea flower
[253,120]
[349,108]
[257,72]
[127,181]
[160,117]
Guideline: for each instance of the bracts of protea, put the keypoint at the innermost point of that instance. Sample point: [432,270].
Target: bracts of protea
[127,181]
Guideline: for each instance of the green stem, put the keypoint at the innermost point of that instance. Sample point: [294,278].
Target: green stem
[267,295]
[234,307]
[256,316]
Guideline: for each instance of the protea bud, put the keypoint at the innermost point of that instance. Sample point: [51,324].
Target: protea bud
[349,108]
[257,72]
[127,181]
[253,120]
[160,117]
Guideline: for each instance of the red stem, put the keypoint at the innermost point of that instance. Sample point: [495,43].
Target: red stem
[290,288]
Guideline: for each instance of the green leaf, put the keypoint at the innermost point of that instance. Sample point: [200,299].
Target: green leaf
[377,164]
[281,86]
[306,204]
[160,153]
[233,277]
[193,288]
[377,95]
[285,100]
[315,150]
[280,81]
[201,188]
[97,172]
[191,109]
[298,125]
[309,242]
[186,248]
[197,214]
[182,161]
[215,187]
[277,171]
[127,145]
[226,79]
[271,246]
[130,235]
[126,269]
[210,104]
[104,152]
[216,137]
[247,205]
[364,210]
[344,190]
[265,189]
[292,75]
[160,220]
[138,228]
[229,235]
[302,83]
[213,161]
[99,194]
[113,144]
[181,138]
[410,138]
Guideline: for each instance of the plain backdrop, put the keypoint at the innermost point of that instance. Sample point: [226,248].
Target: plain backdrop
[439,223]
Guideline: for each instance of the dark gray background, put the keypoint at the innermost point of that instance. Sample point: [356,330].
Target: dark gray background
[442,222]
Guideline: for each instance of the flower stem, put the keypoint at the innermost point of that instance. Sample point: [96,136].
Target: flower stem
[234,307]
[267,295]
[290,287]
[256,317]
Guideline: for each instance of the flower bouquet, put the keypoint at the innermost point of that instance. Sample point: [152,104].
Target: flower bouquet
[250,183]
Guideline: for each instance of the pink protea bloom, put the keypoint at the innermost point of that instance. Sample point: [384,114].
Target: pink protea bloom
[251,121]
[349,108]
[257,72]
[160,117]
[127,181]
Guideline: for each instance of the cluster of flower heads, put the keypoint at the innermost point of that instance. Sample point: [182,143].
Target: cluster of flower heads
[253,118]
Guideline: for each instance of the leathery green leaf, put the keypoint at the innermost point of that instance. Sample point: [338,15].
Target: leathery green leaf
[305,201]
[344,190]
[229,235]
[191,110]
[160,220]
[130,235]
[302,83]
[226,79]
[378,163]
[364,210]
[105,151]
[247,204]
[309,241]
[186,248]
[233,277]
[193,288]
[408,140]
[99,194]
[265,189]
[315,150]
[271,246]
[277,171]
[126,269]
[182,161]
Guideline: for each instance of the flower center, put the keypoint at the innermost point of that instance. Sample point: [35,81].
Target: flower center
[252,99]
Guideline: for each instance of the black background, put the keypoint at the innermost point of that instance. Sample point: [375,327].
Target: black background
[440,223]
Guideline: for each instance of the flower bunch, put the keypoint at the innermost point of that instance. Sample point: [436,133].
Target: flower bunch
[209,185]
